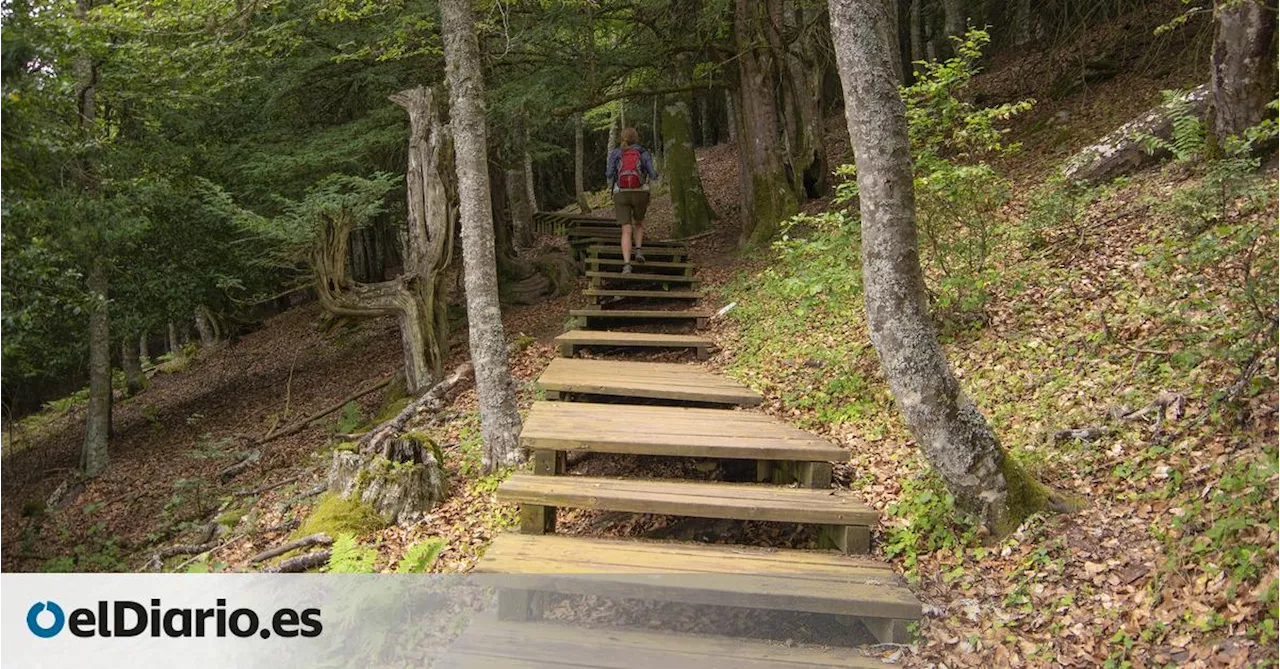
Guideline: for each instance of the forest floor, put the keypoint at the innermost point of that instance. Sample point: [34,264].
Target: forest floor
[1171,557]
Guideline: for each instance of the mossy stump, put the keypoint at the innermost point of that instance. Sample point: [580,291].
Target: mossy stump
[401,481]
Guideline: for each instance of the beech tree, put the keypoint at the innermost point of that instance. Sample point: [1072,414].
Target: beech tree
[951,431]
[499,419]
[1242,78]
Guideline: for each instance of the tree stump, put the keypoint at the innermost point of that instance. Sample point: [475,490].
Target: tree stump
[401,481]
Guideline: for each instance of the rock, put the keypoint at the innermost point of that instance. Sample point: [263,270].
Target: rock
[1121,151]
[401,482]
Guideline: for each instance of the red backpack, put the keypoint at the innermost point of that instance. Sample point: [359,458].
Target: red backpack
[629,171]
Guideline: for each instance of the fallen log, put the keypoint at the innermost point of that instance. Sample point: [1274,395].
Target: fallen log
[300,563]
[319,539]
[1124,151]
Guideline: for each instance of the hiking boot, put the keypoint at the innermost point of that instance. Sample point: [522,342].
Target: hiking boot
[626,269]
[639,256]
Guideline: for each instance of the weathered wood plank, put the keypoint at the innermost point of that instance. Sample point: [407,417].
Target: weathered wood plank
[642,380]
[704,574]
[488,644]
[690,498]
[659,294]
[674,431]
[637,276]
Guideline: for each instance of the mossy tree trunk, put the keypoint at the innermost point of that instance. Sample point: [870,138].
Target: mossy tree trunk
[1243,74]
[693,213]
[499,419]
[132,365]
[767,198]
[418,297]
[951,431]
[579,155]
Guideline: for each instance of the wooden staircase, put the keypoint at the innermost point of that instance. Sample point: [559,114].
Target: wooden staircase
[682,411]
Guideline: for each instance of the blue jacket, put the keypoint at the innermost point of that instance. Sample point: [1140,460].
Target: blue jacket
[615,163]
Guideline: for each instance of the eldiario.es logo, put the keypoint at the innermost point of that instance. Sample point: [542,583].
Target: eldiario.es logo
[124,618]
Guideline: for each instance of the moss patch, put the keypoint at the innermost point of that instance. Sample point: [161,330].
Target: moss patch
[334,515]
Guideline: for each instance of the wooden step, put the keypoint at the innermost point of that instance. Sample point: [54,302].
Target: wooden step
[638,276]
[605,264]
[613,240]
[570,342]
[487,644]
[602,294]
[739,576]
[646,315]
[846,520]
[647,380]
[671,431]
[655,250]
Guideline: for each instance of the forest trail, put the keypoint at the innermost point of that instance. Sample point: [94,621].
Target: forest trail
[634,408]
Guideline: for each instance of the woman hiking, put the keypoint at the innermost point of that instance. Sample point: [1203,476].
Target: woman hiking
[628,170]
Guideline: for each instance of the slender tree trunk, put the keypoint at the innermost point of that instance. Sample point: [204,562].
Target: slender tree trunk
[614,129]
[950,430]
[132,366]
[174,346]
[517,187]
[731,116]
[207,338]
[97,431]
[917,35]
[1242,77]
[579,156]
[768,198]
[499,420]
[803,109]
[530,188]
[144,353]
[905,68]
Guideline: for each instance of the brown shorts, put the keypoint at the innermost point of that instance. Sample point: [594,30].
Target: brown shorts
[630,205]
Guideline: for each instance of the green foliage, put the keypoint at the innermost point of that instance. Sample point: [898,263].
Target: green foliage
[957,212]
[926,520]
[1188,139]
[335,516]
[1255,138]
[421,556]
[348,556]
[350,420]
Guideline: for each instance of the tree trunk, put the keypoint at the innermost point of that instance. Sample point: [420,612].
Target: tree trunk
[731,116]
[693,213]
[579,155]
[952,433]
[418,298]
[174,346]
[132,366]
[955,20]
[207,338]
[499,420]
[613,130]
[521,213]
[144,353]
[530,188]
[806,71]
[97,430]
[767,198]
[1242,76]
[906,70]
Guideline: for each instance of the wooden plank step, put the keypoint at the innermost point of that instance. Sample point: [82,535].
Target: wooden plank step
[612,239]
[741,576]
[670,431]
[699,499]
[649,380]
[599,293]
[487,643]
[638,275]
[614,315]
[596,263]
[650,249]
[571,341]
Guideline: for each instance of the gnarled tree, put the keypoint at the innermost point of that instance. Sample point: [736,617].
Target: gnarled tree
[418,296]
[951,431]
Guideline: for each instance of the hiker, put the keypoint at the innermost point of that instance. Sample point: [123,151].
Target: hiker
[629,169]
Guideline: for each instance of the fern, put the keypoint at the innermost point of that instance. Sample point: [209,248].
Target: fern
[349,557]
[350,420]
[420,557]
[1187,141]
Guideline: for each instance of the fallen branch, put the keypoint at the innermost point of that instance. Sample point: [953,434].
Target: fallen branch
[185,549]
[266,488]
[283,526]
[433,398]
[300,563]
[234,470]
[302,424]
[319,539]
[1081,433]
